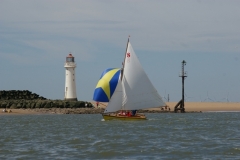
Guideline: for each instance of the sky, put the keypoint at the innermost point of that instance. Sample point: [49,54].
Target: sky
[36,37]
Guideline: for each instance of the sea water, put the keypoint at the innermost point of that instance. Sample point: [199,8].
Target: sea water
[87,136]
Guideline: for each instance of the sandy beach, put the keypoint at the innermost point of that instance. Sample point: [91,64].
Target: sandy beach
[189,107]
[201,106]
[208,106]
[18,112]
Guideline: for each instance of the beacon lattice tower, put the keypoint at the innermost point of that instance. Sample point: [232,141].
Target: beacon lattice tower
[70,81]
[180,104]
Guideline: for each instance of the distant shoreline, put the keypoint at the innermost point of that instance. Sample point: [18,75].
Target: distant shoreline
[208,106]
[197,106]
[190,107]
[42,111]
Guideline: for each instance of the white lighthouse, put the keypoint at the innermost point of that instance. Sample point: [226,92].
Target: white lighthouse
[70,84]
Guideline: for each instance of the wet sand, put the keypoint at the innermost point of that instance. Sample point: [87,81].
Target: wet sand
[18,112]
[189,107]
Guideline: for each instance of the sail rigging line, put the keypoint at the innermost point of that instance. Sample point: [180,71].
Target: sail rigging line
[124,58]
[123,106]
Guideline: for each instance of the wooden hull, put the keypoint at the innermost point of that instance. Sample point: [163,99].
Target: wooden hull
[113,116]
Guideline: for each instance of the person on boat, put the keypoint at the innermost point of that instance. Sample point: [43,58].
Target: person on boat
[134,112]
[97,104]
[129,114]
[122,113]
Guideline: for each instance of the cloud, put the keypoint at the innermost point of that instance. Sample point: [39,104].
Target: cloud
[167,25]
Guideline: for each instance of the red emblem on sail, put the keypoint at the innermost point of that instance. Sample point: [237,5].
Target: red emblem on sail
[128,54]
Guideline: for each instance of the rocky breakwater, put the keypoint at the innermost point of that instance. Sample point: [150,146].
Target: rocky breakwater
[52,106]
[24,99]
[32,104]
[69,110]
[19,94]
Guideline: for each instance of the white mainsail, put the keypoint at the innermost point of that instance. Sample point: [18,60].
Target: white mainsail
[135,90]
[139,93]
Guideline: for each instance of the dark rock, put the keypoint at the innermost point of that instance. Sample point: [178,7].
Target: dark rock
[19,105]
[19,94]
[3,104]
[33,104]
[13,106]
[38,104]
[47,105]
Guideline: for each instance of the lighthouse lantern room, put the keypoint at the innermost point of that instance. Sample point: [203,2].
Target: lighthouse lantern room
[70,81]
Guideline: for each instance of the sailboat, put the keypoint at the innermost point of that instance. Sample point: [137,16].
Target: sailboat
[126,90]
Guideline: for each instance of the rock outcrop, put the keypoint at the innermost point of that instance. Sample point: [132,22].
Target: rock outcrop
[16,99]
[19,94]
[32,104]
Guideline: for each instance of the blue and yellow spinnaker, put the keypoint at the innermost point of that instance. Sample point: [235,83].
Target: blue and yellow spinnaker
[106,85]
